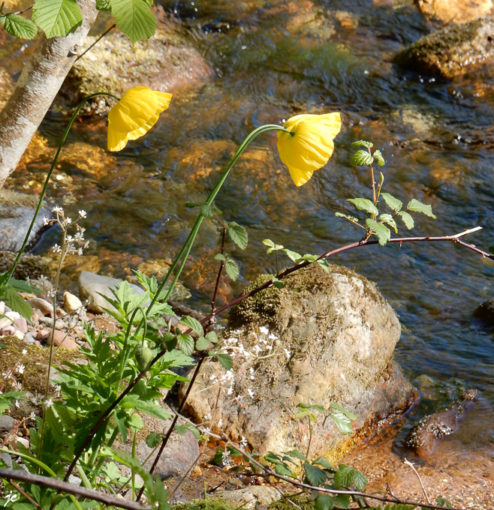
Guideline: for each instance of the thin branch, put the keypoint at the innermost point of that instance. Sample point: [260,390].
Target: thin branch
[220,270]
[409,464]
[19,489]
[91,46]
[59,485]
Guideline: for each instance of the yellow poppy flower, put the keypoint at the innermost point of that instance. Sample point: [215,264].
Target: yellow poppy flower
[134,115]
[309,144]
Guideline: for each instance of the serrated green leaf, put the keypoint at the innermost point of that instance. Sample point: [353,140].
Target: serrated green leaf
[416,206]
[238,235]
[347,476]
[324,462]
[135,19]
[202,343]
[349,414]
[220,257]
[364,204]
[387,219]
[309,257]
[185,344]
[324,264]
[407,219]
[314,475]
[359,481]
[379,157]
[341,421]
[16,303]
[232,270]
[104,5]
[278,283]
[382,232]
[212,337]
[348,217]
[272,246]
[362,143]
[225,360]
[292,255]
[297,454]
[153,439]
[362,158]
[56,18]
[342,501]
[324,502]
[283,470]
[393,203]
[193,324]
[18,26]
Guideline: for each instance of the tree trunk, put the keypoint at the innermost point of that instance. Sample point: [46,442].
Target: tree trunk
[36,89]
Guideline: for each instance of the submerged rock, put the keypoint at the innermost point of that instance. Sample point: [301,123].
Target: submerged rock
[451,51]
[455,11]
[322,339]
[485,312]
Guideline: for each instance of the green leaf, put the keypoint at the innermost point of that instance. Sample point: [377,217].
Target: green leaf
[393,203]
[362,143]
[379,157]
[104,5]
[364,204]
[343,423]
[407,219]
[238,234]
[389,220]
[136,422]
[362,158]
[297,454]
[382,232]
[314,475]
[346,216]
[292,255]
[225,360]
[56,18]
[220,257]
[359,481]
[283,470]
[272,246]
[324,264]
[342,501]
[347,476]
[18,26]
[324,502]
[193,324]
[16,303]
[232,269]
[212,337]
[149,407]
[324,462]
[348,414]
[186,344]
[153,439]
[135,19]
[278,283]
[202,343]
[416,206]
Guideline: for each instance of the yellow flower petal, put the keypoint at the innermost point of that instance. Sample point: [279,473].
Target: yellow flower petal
[309,145]
[134,115]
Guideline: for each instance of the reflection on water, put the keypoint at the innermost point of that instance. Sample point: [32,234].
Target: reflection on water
[280,58]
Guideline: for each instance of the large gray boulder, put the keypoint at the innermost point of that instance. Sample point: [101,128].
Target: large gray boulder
[451,51]
[324,338]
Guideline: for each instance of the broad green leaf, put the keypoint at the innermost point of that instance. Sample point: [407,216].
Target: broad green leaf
[297,454]
[186,344]
[359,481]
[324,502]
[56,18]
[135,19]
[220,257]
[150,407]
[389,220]
[324,462]
[16,303]
[364,204]
[272,246]
[407,219]
[347,476]
[314,475]
[136,422]
[346,216]
[362,143]
[416,206]
[362,158]
[18,26]
[104,5]
[342,501]
[393,203]
[283,470]
[309,257]
[232,270]
[343,423]
[324,264]
[153,439]
[382,232]
[225,360]
[348,414]
[202,343]
[292,255]
[379,157]
[238,235]
[212,337]
[278,283]
[193,324]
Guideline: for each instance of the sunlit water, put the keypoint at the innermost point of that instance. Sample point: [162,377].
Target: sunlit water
[436,136]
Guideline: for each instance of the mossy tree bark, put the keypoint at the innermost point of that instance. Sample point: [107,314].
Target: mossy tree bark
[36,89]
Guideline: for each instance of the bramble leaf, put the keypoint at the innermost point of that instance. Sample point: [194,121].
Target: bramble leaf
[416,206]
[136,20]
[232,270]
[393,203]
[379,157]
[186,344]
[314,475]
[225,360]
[407,219]
[56,17]
[347,217]
[202,343]
[238,234]
[382,232]
[324,502]
[364,204]
[18,26]
[193,324]
[389,220]
[362,158]
[362,143]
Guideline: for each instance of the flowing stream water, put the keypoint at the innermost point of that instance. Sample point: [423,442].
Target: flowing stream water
[276,59]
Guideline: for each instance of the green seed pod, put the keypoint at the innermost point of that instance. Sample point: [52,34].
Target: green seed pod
[143,356]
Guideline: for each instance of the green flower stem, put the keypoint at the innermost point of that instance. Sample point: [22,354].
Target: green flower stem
[48,176]
[187,246]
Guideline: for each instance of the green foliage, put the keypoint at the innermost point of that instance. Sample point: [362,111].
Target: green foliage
[362,158]
[231,267]
[57,18]
[9,292]
[18,26]
[238,234]
[134,18]
[8,398]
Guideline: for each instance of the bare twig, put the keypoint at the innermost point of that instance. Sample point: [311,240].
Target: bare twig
[55,483]
[410,464]
[91,46]
[19,489]
[220,270]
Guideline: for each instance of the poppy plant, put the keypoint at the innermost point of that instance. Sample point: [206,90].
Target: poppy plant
[307,144]
[134,115]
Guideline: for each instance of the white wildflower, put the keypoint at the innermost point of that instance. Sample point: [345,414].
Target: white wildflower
[243,443]
[225,458]
[82,213]
[24,351]
[16,403]
[48,403]
[250,392]
[21,367]
[57,210]
[287,353]
[32,416]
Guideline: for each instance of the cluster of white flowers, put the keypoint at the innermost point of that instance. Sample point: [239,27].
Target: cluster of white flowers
[225,458]
[72,242]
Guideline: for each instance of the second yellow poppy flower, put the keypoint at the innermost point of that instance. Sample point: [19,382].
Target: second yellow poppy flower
[309,144]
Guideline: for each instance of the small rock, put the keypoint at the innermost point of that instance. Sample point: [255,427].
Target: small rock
[19,334]
[455,11]
[63,339]
[71,303]
[29,338]
[6,422]
[6,458]
[2,307]
[42,305]
[43,334]
[250,497]
[23,441]
[21,324]
[485,312]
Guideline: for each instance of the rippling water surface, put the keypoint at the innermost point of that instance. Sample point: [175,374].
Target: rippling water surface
[273,60]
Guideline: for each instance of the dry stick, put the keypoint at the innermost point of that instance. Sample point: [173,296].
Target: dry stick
[409,464]
[18,488]
[55,483]
[220,270]
[91,46]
